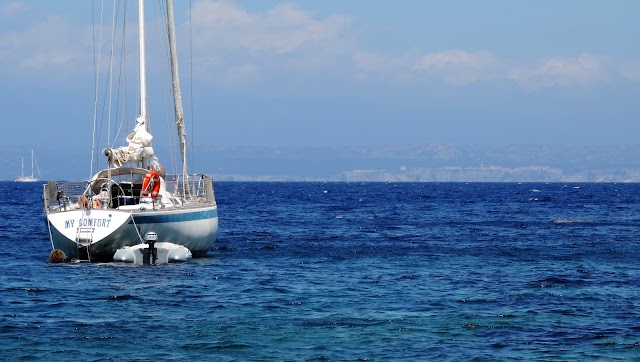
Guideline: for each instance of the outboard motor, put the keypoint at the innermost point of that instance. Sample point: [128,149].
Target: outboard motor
[150,238]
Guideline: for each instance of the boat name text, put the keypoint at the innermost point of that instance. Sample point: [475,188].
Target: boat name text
[95,222]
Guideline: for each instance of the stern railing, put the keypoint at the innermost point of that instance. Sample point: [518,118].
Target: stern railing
[57,195]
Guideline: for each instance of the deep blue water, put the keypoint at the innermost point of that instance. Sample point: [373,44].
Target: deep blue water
[346,271]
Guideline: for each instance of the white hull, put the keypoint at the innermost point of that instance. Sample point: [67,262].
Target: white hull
[27,179]
[96,234]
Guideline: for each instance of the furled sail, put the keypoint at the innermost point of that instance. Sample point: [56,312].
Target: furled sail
[138,150]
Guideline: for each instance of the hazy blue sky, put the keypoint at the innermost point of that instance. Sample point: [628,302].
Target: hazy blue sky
[340,72]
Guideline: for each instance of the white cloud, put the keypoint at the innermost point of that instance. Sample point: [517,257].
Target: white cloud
[558,71]
[631,71]
[279,35]
[458,67]
[47,43]
[282,29]
[461,68]
[13,8]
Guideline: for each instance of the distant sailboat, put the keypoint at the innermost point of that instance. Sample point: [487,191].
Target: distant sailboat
[31,178]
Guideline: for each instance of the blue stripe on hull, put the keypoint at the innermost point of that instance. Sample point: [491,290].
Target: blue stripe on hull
[177,217]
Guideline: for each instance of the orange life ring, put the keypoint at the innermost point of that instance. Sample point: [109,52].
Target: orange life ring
[151,184]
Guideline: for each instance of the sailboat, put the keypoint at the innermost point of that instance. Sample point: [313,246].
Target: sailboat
[31,178]
[91,220]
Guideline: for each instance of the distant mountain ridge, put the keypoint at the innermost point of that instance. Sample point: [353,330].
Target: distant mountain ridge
[429,162]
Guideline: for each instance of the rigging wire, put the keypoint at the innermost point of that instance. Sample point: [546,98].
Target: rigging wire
[167,90]
[105,94]
[122,71]
[113,36]
[107,104]
[191,82]
[96,68]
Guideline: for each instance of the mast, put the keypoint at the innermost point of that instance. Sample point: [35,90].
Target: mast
[143,72]
[177,99]
[31,164]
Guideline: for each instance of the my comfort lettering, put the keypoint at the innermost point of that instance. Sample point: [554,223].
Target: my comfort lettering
[93,222]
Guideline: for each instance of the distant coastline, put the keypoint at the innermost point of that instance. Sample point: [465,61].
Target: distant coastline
[429,162]
[456,174]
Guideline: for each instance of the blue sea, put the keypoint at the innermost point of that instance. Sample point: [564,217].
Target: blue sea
[346,272]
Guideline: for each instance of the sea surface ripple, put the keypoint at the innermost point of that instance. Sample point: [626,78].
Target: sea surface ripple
[346,271]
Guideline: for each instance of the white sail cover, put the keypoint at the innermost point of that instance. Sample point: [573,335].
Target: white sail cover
[137,150]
